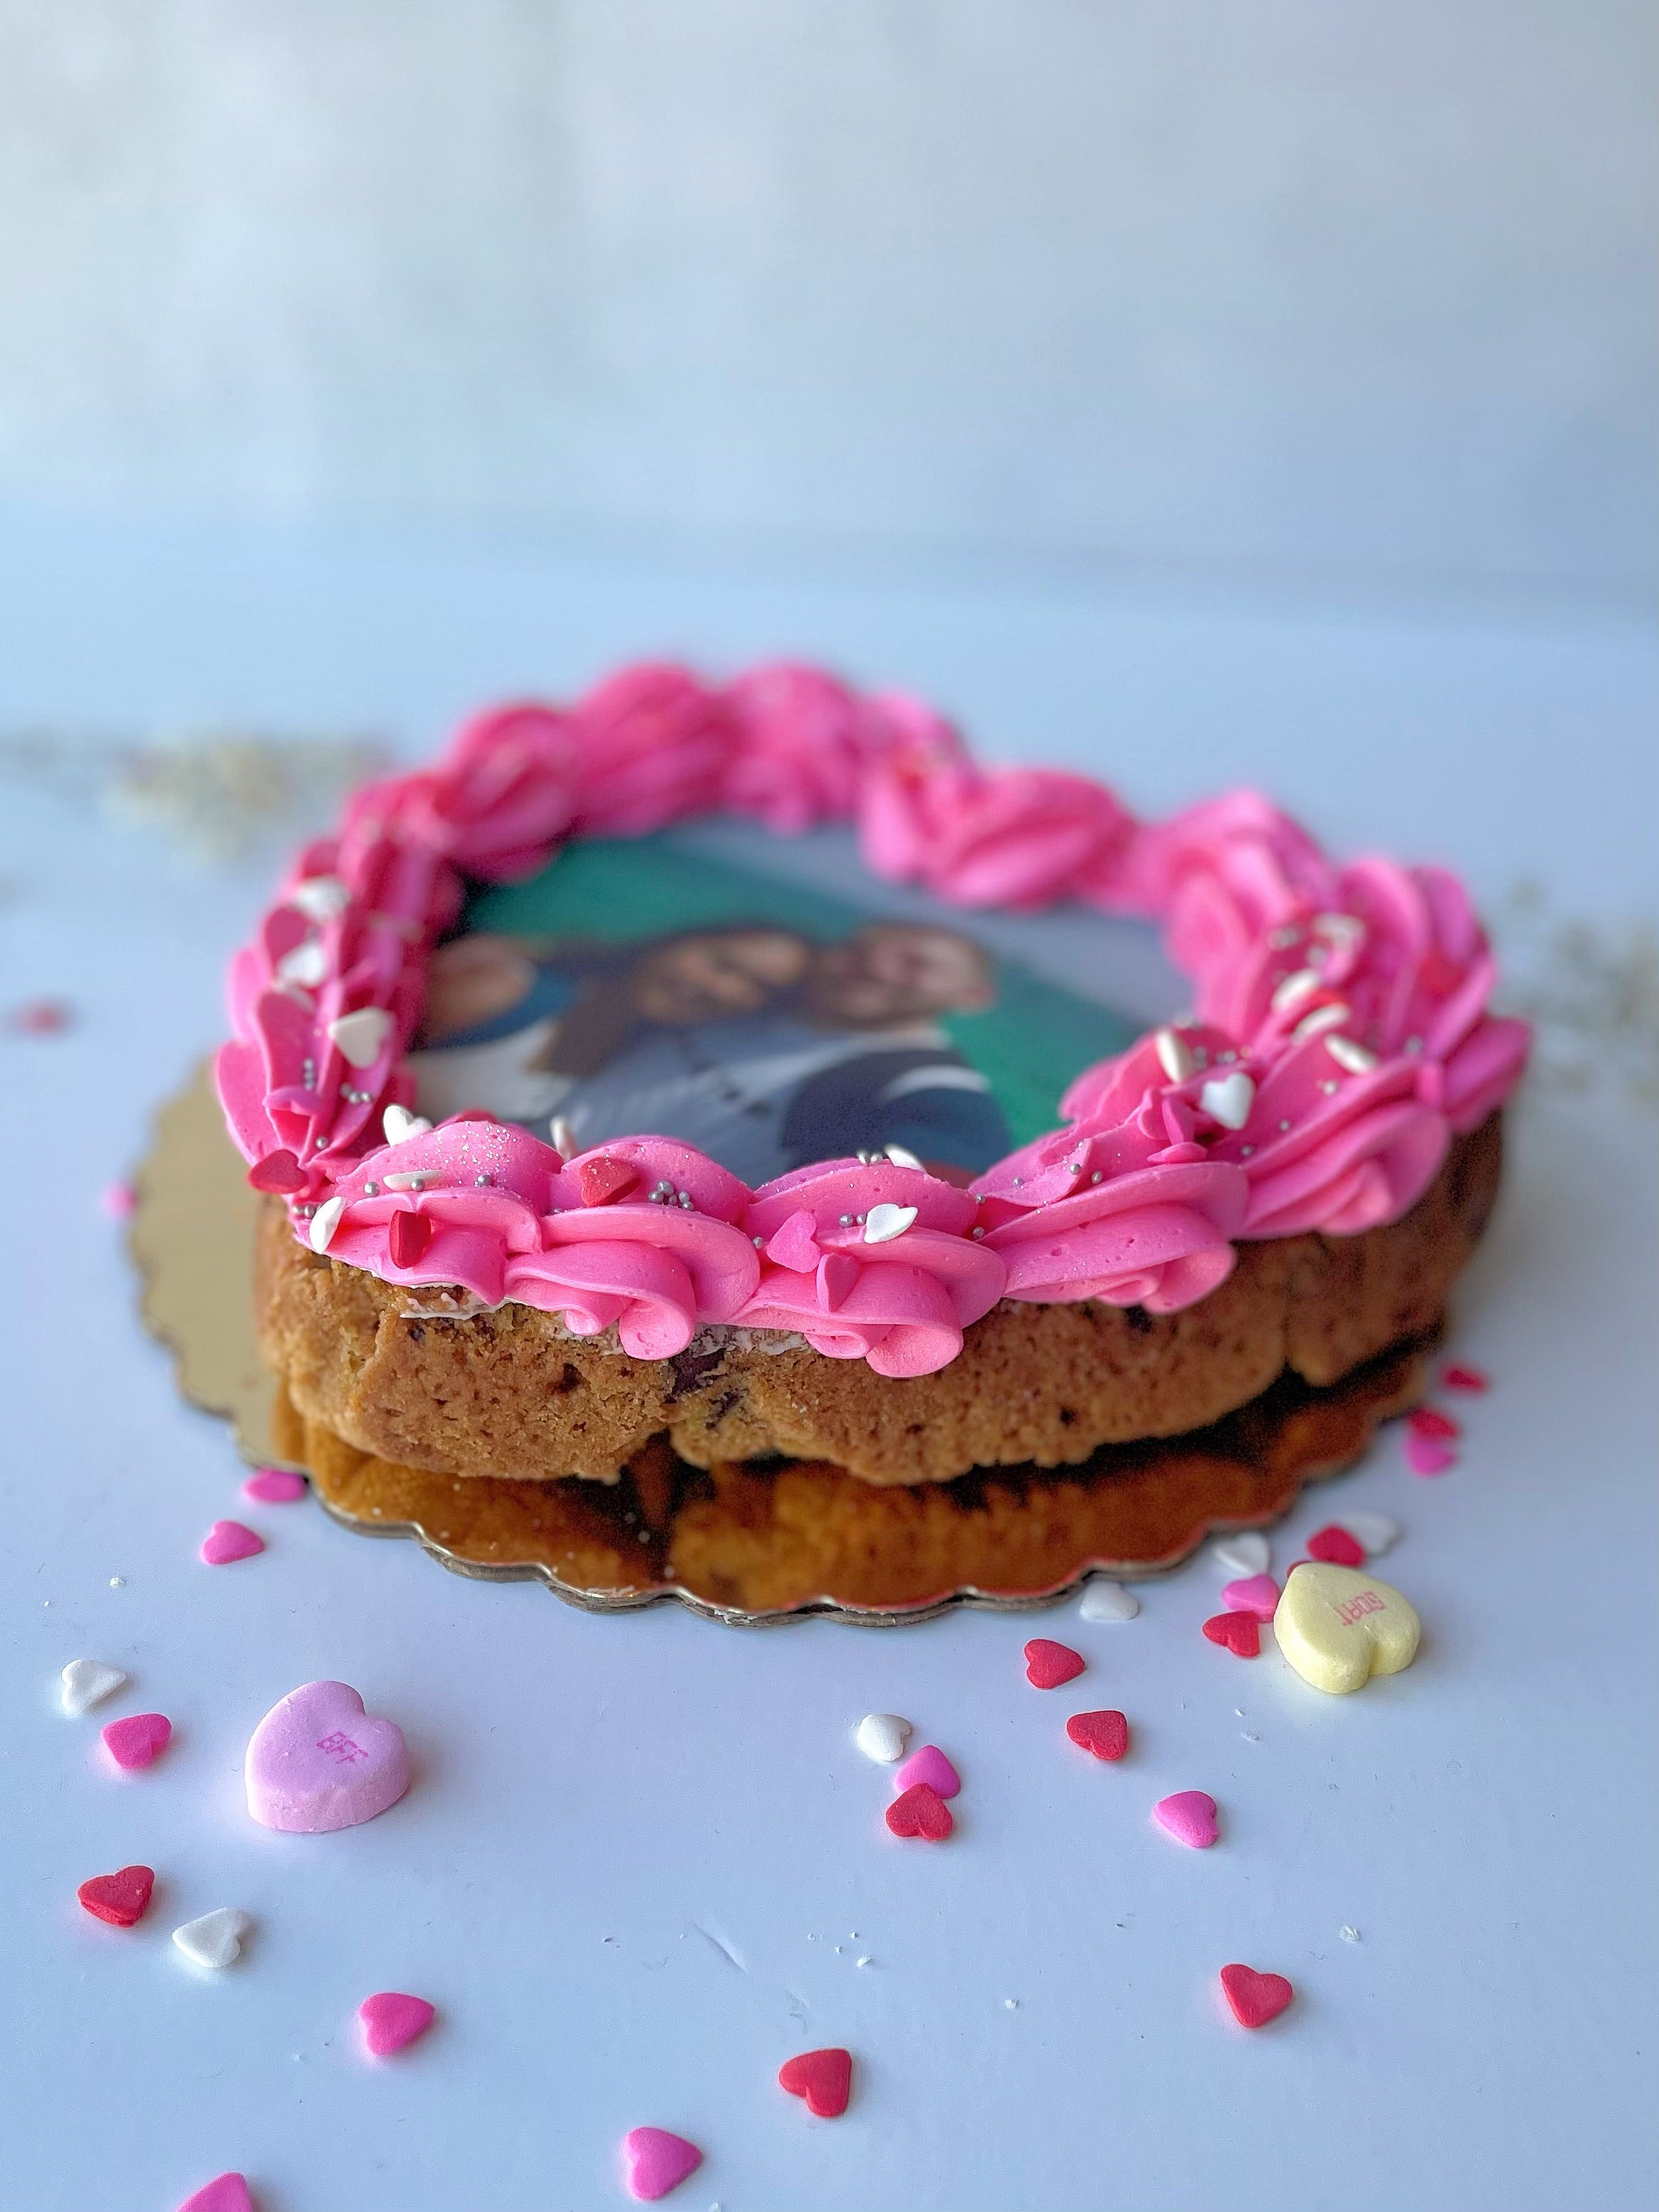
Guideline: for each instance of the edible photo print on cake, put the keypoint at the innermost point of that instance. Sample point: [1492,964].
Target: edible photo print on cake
[682,985]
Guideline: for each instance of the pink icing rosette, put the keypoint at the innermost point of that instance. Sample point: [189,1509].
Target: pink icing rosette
[1342,1036]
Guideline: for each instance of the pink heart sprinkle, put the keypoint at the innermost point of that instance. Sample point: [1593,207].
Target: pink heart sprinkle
[229,2192]
[794,1245]
[1048,1664]
[227,1541]
[392,2020]
[1189,1816]
[1256,1594]
[1428,1456]
[1465,1378]
[318,1762]
[657,2162]
[133,1742]
[929,1765]
[273,1486]
[119,1201]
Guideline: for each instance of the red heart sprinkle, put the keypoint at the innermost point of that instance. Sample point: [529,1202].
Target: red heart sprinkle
[408,1237]
[921,1811]
[1240,1631]
[1106,1734]
[824,2078]
[278,1171]
[1256,1998]
[1048,1664]
[1336,1547]
[1465,1379]
[121,1898]
[601,1180]
[1427,1421]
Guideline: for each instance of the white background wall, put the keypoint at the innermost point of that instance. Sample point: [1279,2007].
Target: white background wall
[1304,294]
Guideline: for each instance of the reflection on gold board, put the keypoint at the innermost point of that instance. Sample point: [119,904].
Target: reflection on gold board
[749,1543]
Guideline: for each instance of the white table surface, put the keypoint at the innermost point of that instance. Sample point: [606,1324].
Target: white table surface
[643,1861]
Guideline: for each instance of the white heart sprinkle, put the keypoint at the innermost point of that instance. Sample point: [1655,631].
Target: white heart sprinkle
[1229,1098]
[901,1156]
[1357,1059]
[1104,1601]
[306,965]
[215,1940]
[1344,928]
[1372,1531]
[87,1682]
[1243,1553]
[882,1736]
[1175,1055]
[1294,988]
[400,1125]
[324,1222]
[1320,1019]
[882,1222]
[320,898]
[361,1036]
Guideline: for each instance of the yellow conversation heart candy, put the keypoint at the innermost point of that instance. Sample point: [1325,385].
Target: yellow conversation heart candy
[1338,1627]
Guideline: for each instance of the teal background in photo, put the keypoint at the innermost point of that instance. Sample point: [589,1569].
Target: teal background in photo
[1030,1044]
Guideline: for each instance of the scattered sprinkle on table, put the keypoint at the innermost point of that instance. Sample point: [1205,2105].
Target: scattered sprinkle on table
[1256,1998]
[136,1740]
[1104,1601]
[225,1541]
[318,1761]
[1429,1421]
[882,1736]
[1239,1632]
[1427,1455]
[1376,1531]
[117,1201]
[1338,1627]
[1256,1594]
[929,1765]
[227,2192]
[1464,1377]
[921,1811]
[1244,1552]
[822,2078]
[87,1683]
[1190,1817]
[1104,1734]
[214,1940]
[122,1899]
[274,1486]
[1048,1664]
[392,2020]
[40,1017]
[1336,1547]
[655,2161]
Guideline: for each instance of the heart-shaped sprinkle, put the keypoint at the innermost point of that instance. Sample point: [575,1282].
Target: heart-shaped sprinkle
[1244,1553]
[1189,1816]
[824,2078]
[391,2021]
[1339,1627]
[1048,1664]
[1465,1379]
[1105,1734]
[227,1541]
[1256,1998]
[882,1736]
[215,1940]
[884,1222]
[122,1899]
[87,1683]
[361,1038]
[274,1486]
[795,1245]
[1337,1547]
[134,1741]
[929,1765]
[1376,1531]
[1256,1594]
[921,1812]
[318,1762]
[278,1171]
[1241,1632]
[319,898]
[1228,1098]
[655,2161]
[1429,1421]
[1175,1055]
[408,1234]
[323,1223]
[227,2192]
[602,1180]
[1104,1601]
[1427,1455]
[399,1124]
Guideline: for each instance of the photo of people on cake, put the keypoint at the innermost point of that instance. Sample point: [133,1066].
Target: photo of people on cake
[765,1047]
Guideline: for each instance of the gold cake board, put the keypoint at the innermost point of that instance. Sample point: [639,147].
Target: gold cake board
[749,1543]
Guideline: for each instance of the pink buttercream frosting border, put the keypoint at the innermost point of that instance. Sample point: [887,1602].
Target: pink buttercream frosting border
[1340,1036]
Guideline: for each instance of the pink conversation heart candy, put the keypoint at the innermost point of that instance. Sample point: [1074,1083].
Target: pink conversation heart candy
[929,1765]
[229,2192]
[134,1741]
[227,1541]
[657,2162]
[1428,1456]
[1256,1594]
[318,1762]
[274,1486]
[1189,1816]
[391,2021]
